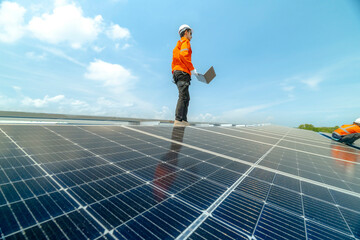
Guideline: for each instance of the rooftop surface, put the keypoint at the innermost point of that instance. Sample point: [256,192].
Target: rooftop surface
[160,182]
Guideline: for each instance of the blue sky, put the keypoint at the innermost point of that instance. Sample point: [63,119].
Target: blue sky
[281,62]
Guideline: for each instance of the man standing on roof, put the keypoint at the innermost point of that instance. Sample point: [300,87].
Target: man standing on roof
[348,134]
[182,69]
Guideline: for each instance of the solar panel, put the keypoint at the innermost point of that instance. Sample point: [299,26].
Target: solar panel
[152,182]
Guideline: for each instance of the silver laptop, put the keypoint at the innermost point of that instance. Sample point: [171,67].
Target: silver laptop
[208,76]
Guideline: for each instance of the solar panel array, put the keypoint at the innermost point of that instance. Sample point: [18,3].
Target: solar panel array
[135,182]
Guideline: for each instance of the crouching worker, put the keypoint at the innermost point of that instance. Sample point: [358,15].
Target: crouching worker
[347,134]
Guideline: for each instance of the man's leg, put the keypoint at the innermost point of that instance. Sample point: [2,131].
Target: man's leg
[182,81]
[183,101]
[178,114]
[351,138]
[186,101]
[336,137]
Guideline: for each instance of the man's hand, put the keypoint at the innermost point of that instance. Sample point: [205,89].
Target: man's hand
[194,72]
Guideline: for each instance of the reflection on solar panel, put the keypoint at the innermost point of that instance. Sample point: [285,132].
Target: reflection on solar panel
[128,182]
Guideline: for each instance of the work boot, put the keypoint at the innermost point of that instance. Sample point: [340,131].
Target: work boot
[178,123]
[185,123]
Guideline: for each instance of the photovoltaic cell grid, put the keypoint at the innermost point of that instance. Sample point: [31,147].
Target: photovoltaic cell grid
[109,182]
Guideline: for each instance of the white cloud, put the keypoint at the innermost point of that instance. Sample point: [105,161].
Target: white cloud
[288,88]
[253,113]
[8,103]
[125,46]
[312,82]
[98,49]
[11,21]
[114,76]
[66,24]
[78,103]
[119,1]
[56,104]
[39,103]
[61,54]
[290,84]
[17,89]
[115,32]
[59,3]
[36,7]
[164,113]
[35,56]
[269,118]
[123,105]
[207,117]
[127,105]
[247,110]
[75,106]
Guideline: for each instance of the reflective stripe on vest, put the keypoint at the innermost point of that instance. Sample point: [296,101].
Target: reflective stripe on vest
[185,49]
[344,129]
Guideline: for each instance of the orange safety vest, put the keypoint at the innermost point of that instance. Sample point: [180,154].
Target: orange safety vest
[182,56]
[347,129]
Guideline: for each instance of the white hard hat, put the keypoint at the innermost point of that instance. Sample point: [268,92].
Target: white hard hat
[357,121]
[183,28]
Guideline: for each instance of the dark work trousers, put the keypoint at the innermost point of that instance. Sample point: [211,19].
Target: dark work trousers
[182,81]
[347,139]
[350,138]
